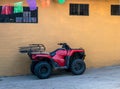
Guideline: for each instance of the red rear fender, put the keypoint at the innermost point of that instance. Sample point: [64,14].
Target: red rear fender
[40,56]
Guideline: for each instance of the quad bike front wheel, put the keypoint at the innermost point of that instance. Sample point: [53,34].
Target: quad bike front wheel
[78,66]
[42,70]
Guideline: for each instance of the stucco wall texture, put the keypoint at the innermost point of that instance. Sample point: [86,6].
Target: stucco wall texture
[97,33]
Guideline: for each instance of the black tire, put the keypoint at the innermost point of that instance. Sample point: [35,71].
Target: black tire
[32,66]
[43,70]
[78,66]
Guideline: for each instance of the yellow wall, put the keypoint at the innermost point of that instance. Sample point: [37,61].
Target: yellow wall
[97,33]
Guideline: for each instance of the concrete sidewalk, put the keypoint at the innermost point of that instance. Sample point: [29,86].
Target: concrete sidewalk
[101,78]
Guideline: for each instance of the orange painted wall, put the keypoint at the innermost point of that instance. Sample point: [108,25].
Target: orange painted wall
[97,33]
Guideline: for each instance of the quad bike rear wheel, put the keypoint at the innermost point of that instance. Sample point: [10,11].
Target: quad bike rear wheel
[78,66]
[32,67]
[42,70]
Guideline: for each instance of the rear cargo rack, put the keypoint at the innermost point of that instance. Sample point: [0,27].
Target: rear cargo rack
[32,48]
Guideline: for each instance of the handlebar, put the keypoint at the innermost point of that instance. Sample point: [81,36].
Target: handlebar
[64,45]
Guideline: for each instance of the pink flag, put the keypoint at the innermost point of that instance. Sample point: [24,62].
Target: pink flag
[6,9]
[32,4]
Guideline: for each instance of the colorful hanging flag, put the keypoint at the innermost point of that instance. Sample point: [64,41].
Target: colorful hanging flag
[48,2]
[18,7]
[6,9]
[61,1]
[45,3]
[32,4]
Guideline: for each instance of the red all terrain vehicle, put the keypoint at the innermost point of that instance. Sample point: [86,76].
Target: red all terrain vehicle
[62,58]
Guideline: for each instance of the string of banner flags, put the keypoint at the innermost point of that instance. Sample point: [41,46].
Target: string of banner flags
[18,6]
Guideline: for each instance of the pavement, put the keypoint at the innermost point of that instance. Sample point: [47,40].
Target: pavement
[100,78]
